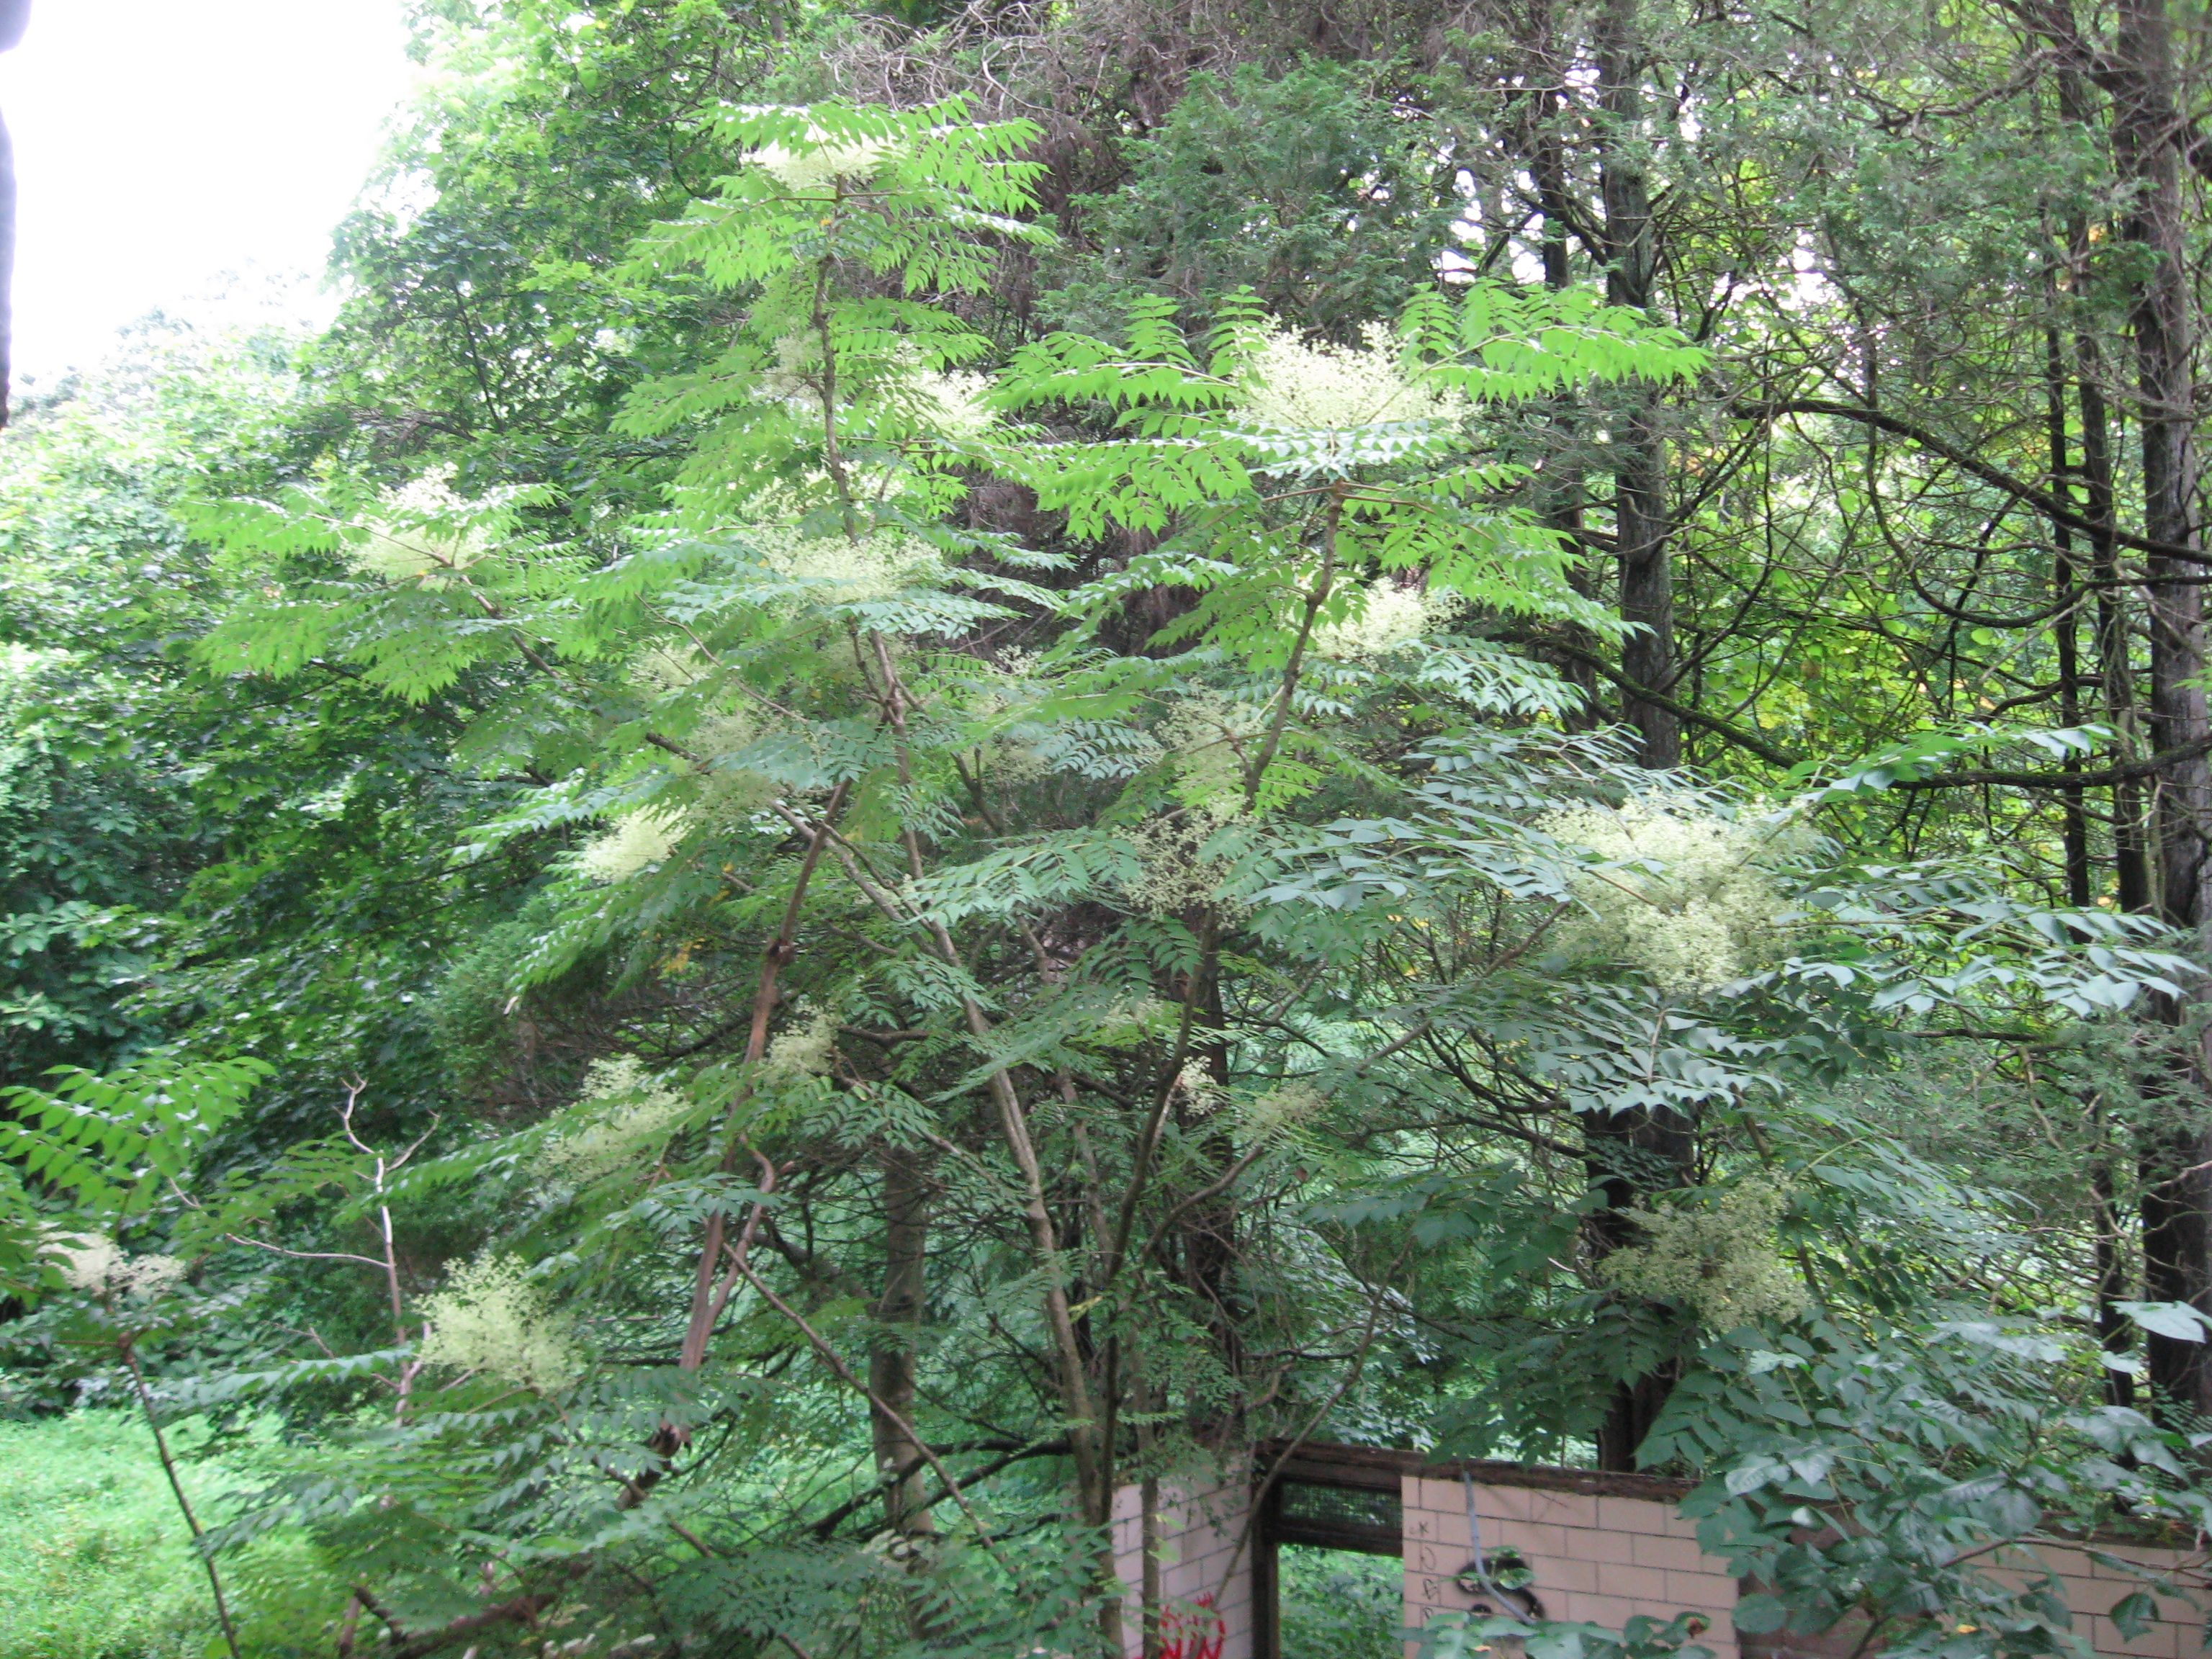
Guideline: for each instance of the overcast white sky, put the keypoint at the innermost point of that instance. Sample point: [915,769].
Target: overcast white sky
[161,144]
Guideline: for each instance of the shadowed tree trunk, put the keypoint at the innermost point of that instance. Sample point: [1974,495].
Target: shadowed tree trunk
[2148,134]
[1639,479]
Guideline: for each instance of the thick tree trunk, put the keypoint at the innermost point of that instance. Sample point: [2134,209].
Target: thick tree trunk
[1629,1154]
[891,1358]
[2174,1148]
[1639,479]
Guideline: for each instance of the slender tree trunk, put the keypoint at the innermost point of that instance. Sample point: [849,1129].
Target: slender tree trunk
[2115,1335]
[2066,627]
[2115,665]
[1565,494]
[2174,1148]
[1639,479]
[891,1358]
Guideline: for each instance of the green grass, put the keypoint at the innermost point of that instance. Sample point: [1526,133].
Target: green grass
[94,1560]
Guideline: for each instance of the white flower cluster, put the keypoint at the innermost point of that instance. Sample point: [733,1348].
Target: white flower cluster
[1719,1261]
[1695,902]
[1174,874]
[1390,618]
[949,403]
[805,1049]
[817,161]
[411,546]
[491,1321]
[1283,1108]
[850,570]
[631,1114]
[96,1264]
[1212,738]
[638,841]
[1296,385]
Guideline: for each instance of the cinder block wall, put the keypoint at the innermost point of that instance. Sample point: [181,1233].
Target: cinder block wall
[1599,1558]
[1604,1556]
[2092,1589]
[1205,1582]
[1604,1549]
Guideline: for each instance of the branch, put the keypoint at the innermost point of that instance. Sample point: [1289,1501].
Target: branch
[1735,734]
[2049,505]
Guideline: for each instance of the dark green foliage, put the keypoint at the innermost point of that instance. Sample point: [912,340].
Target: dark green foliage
[1329,201]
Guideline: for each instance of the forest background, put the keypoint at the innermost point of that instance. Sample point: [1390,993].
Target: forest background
[952,758]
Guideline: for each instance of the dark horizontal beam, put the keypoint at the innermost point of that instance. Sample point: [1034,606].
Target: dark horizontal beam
[1334,1536]
[1379,1468]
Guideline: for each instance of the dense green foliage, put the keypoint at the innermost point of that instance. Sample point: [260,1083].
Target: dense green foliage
[943,763]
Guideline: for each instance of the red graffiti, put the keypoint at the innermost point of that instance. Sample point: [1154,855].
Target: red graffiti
[1195,1634]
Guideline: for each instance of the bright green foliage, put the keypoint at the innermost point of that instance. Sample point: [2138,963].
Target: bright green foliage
[861,922]
[1338,1606]
[94,1563]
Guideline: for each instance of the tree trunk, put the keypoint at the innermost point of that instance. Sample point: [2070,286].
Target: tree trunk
[1639,479]
[2115,667]
[2074,825]
[891,1358]
[1629,1154]
[2148,132]
[1565,493]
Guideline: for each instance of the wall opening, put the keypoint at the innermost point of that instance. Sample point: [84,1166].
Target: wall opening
[1337,1604]
[1329,1571]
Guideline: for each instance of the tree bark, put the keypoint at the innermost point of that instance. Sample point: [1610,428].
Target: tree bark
[891,1357]
[1629,1154]
[2173,1150]
[1565,494]
[1639,479]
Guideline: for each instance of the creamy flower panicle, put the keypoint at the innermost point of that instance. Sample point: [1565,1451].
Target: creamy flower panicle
[1294,384]
[1694,902]
[638,842]
[492,1320]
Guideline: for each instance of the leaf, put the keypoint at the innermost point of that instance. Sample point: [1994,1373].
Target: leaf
[1760,1613]
[2135,1614]
[2177,1320]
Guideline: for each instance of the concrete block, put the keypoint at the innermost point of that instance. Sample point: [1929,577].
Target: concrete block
[1702,1592]
[1632,1515]
[1644,1584]
[2160,1641]
[1611,1611]
[1504,1502]
[1589,1544]
[1557,1575]
[1678,1554]
[1563,1508]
